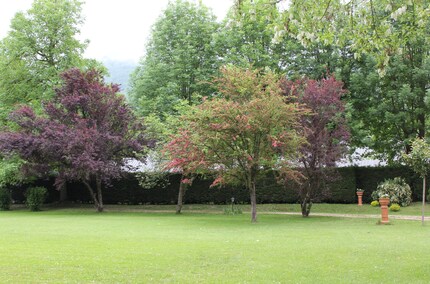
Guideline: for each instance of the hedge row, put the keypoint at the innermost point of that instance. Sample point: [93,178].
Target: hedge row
[342,189]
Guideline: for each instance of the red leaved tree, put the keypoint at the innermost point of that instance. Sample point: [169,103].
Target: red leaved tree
[326,132]
[245,130]
[85,134]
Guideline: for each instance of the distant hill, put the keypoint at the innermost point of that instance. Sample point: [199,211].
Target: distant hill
[119,72]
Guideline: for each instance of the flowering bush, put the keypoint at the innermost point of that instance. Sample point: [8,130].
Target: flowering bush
[394,207]
[396,189]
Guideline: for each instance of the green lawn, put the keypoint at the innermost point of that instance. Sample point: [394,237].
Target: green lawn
[413,209]
[81,246]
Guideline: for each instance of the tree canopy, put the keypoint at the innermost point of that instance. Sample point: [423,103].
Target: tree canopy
[389,82]
[246,36]
[86,133]
[325,130]
[41,44]
[180,59]
[247,129]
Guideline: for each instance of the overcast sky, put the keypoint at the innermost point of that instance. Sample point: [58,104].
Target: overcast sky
[117,29]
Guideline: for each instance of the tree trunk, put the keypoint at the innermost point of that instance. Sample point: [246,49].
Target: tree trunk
[306,208]
[306,205]
[424,200]
[99,195]
[182,188]
[253,197]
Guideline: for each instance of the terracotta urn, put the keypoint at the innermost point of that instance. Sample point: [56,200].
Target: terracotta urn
[384,201]
[360,198]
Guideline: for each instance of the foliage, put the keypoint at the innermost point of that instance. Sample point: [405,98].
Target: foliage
[179,62]
[389,82]
[253,33]
[390,111]
[36,196]
[10,171]
[326,132]
[85,134]
[419,160]
[180,59]
[40,45]
[419,157]
[394,207]
[246,36]
[374,203]
[383,28]
[5,198]
[247,129]
[156,179]
[396,189]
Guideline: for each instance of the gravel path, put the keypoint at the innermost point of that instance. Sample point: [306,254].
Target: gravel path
[370,216]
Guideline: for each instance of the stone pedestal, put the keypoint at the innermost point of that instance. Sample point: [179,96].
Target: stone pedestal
[383,202]
[360,198]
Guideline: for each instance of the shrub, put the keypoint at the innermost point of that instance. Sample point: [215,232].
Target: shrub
[397,190]
[374,203]
[36,197]
[394,207]
[5,199]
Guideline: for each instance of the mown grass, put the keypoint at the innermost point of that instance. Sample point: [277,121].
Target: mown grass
[81,246]
[414,209]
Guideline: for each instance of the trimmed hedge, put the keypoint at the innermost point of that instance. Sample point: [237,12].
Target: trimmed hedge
[368,179]
[342,188]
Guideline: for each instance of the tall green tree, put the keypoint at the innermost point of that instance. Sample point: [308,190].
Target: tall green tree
[41,44]
[390,86]
[247,36]
[390,111]
[179,62]
[255,32]
[180,59]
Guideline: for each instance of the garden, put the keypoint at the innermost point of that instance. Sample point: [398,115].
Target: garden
[231,157]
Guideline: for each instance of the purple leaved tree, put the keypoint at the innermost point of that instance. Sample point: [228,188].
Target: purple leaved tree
[85,134]
[326,132]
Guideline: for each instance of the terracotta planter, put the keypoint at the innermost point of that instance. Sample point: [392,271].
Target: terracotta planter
[360,198]
[384,201]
